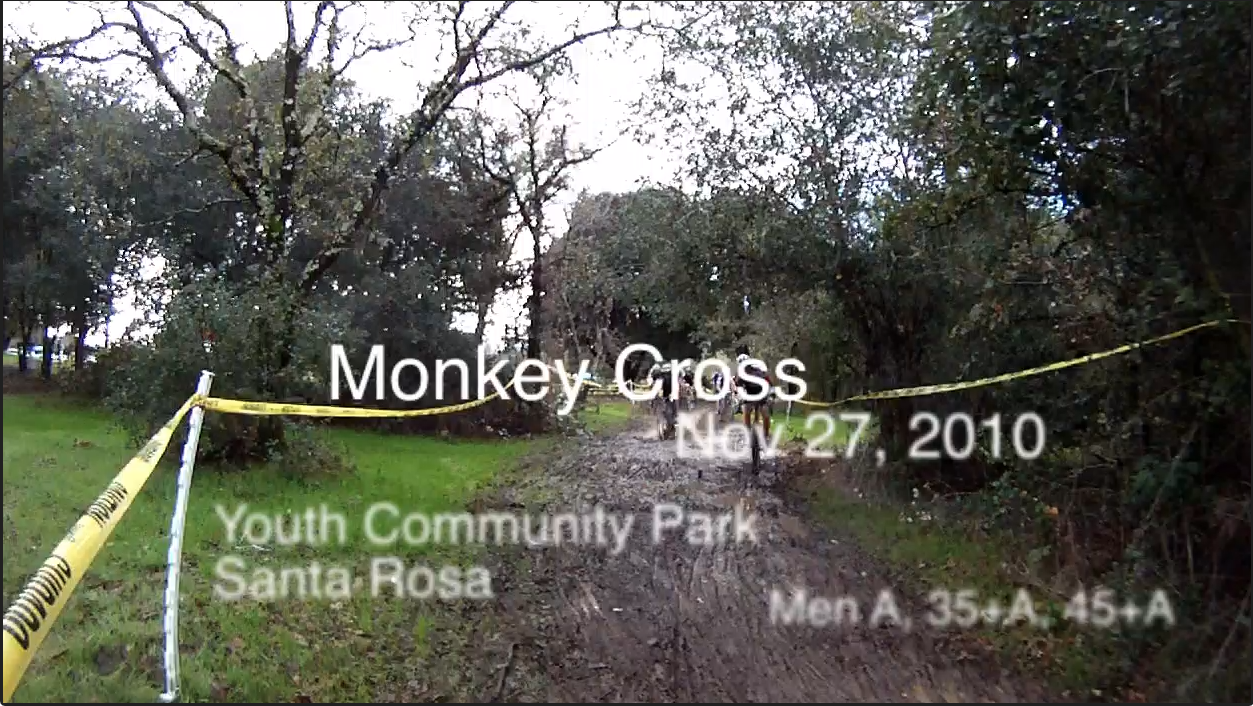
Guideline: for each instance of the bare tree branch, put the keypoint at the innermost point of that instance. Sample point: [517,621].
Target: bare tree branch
[230,68]
[482,53]
[30,57]
[438,100]
[189,211]
[154,60]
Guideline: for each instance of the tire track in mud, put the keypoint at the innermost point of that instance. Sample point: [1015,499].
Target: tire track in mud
[677,622]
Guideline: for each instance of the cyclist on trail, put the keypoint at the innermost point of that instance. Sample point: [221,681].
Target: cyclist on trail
[660,373]
[654,375]
[726,399]
[754,388]
[687,378]
[663,403]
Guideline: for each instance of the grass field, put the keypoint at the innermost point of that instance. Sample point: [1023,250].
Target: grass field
[611,414]
[822,428]
[951,554]
[810,429]
[34,361]
[106,646]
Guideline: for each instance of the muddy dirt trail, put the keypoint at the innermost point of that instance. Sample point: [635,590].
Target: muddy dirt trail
[682,621]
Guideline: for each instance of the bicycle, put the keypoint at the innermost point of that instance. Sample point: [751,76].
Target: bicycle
[725,410]
[668,413]
[689,397]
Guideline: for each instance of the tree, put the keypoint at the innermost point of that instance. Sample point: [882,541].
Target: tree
[532,162]
[303,167]
[268,162]
[73,153]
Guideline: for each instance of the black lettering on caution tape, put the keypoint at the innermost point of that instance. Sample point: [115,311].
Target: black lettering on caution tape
[109,501]
[31,608]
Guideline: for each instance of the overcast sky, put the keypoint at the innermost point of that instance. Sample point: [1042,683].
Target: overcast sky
[609,78]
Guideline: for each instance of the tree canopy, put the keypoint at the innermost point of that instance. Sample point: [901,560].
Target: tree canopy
[895,193]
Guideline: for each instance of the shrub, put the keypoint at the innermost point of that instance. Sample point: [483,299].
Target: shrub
[156,376]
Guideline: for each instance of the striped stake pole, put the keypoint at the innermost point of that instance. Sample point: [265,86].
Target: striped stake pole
[175,557]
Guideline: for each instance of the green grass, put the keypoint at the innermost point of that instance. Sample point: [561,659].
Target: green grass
[810,425]
[815,431]
[612,415]
[33,362]
[107,644]
[938,555]
[950,556]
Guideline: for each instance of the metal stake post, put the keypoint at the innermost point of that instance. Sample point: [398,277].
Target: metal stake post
[175,556]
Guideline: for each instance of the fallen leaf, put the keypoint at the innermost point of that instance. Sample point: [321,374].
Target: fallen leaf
[110,658]
[218,691]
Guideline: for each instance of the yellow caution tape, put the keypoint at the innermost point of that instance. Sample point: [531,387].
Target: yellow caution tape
[598,388]
[37,607]
[219,404]
[982,382]
[28,620]
[590,383]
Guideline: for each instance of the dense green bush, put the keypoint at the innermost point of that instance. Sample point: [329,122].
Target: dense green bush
[157,375]
[92,380]
[146,382]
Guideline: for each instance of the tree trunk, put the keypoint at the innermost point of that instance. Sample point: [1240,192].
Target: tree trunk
[480,328]
[45,365]
[80,347]
[271,432]
[23,354]
[537,274]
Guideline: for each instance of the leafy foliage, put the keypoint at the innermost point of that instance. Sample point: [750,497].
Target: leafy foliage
[921,193]
[290,212]
[895,193]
